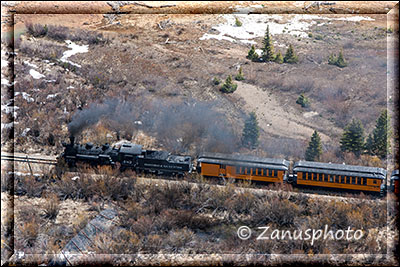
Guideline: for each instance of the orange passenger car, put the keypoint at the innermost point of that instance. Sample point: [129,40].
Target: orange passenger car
[242,167]
[394,182]
[341,176]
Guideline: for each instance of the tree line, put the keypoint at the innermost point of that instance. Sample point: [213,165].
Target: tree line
[353,139]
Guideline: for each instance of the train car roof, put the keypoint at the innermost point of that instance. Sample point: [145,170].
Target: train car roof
[131,149]
[247,160]
[341,169]
[395,175]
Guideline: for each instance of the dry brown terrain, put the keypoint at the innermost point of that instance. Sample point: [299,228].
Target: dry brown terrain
[153,59]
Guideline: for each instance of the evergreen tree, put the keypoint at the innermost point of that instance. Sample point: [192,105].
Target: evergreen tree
[239,76]
[314,149]
[290,56]
[303,101]
[268,49]
[251,132]
[338,61]
[341,62]
[377,142]
[279,58]
[229,86]
[353,138]
[252,55]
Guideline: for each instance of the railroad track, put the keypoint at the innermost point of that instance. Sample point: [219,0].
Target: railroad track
[9,157]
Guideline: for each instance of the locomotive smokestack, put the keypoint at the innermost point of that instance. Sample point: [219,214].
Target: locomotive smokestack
[71,139]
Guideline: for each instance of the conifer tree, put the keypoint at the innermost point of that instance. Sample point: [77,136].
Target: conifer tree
[353,138]
[239,76]
[314,149]
[341,62]
[278,58]
[252,55]
[378,142]
[290,56]
[229,86]
[251,132]
[268,50]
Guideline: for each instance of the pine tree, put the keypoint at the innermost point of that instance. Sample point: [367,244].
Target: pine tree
[251,132]
[341,62]
[278,58]
[239,76]
[314,149]
[268,50]
[229,86]
[290,56]
[353,138]
[252,55]
[378,142]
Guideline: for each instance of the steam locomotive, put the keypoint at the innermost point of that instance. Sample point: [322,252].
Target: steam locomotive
[129,156]
[304,174]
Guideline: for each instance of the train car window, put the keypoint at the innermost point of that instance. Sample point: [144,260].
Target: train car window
[275,173]
[358,180]
[364,181]
[326,177]
[265,172]
[337,179]
[353,180]
[247,171]
[269,172]
[342,179]
[223,166]
[374,181]
[347,179]
[237,169]
[320,176]
[331,178]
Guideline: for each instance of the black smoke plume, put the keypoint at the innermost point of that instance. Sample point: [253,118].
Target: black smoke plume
[179,126]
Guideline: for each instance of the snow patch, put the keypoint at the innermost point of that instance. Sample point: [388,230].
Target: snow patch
[25,131]
[30,64]
[35,75]
[75,49]
[26,96]
[52,96]
[255,25]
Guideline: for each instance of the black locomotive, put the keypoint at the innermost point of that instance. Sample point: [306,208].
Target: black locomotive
[128,156]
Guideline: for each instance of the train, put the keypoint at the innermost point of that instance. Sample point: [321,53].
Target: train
[301,174]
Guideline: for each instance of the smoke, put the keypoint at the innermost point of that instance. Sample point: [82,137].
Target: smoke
[179,126]
[88,117]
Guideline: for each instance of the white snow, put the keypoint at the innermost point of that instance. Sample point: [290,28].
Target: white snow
[5,82]
[52,96]
[7,109]
[70,87]
[30,64]
[36,75]
[138,122]
[26,96]
[255,25]
[75,49]
[25,131]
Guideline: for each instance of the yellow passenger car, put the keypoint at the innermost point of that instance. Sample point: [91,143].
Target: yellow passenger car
[242,167]
[341,176]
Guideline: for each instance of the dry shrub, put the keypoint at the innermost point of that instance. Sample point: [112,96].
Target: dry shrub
[27,233]
[172,219]
[51,206]
[116,241]
[281,212]
[179,240]
[29,185]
